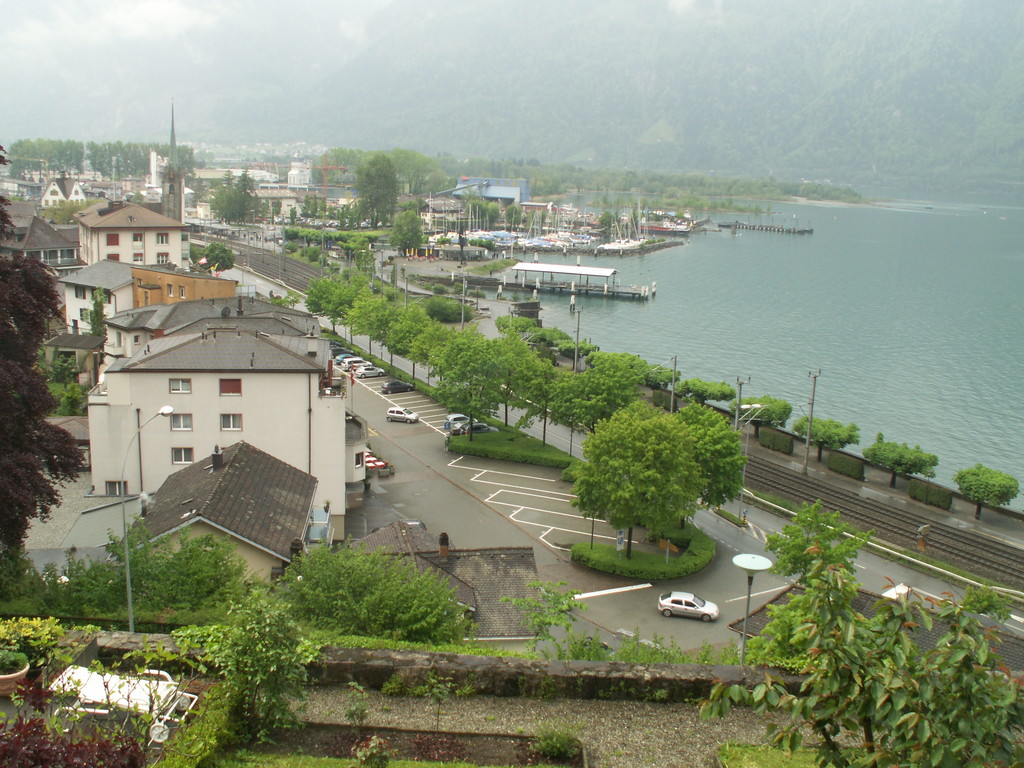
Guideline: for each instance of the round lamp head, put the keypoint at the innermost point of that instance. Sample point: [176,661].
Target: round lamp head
[167,410]
[752,563]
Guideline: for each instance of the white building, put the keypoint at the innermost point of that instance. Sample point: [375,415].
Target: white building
[62,190]
[131,233]
[224,385]
[300,174]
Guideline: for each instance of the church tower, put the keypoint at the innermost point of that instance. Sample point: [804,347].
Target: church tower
[173,181]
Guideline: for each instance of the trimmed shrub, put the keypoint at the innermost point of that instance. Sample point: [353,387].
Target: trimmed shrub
[510,446]
[919,490]
[850,466]
[776,441]
[698,552]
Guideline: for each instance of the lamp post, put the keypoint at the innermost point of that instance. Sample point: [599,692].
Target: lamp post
[166,410]
[752,410]
[751,564]
[576,349]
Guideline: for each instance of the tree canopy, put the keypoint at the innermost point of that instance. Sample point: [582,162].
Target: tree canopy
[982,485]
[717,450]
[700,391]
[900,459]
[828,433]
[408,231]
[639,470]
[377,184]
[608,384]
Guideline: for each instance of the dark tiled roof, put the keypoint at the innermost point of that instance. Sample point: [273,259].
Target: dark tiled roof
[37,234]
[403,536]
[234,350]
[1011,649]
[253,496]
[106,273]
[76,426]
[172,317]
[108,215]
[76,341]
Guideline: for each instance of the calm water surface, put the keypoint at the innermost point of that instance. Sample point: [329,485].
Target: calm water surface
[912,312]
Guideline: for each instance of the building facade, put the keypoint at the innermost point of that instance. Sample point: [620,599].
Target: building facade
[132,234]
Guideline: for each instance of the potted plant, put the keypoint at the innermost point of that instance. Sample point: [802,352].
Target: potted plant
[36,638]
[13,669]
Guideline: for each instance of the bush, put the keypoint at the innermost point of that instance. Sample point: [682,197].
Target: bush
[208,732]
[510,446]
[439,289]
[558,741]
[931,494]
[647,565]
[850,466]
[776,441]
[31,742]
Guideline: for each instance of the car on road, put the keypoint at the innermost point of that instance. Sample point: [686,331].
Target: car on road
[476,428]
[350,363]
[369,372]
[402,414]
[394,387]
[455,419]
[687,604]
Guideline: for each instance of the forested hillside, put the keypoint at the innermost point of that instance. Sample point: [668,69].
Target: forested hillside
[855,92]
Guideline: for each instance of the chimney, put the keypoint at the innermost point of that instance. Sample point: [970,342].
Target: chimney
[216,458]
[158,333]
[295,549]
[442,545]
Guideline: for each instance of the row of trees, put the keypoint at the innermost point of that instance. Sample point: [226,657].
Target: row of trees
[112,159]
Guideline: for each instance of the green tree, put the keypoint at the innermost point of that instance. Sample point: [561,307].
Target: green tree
[701,391]
[470,374]
[234,200]
[63,370]
[72,401]
[429,346]
[97,315]
[408,231]
[64,212]
[814,536]
[374,594]
[413,170]
[639,470]
[872,697]
[513,216]
[609,383]
[377,182]
[981,485]
[218,257]
[539,383]
[718,451]
[900,459]
[828,433]
[514,357]
[411,322]
[372,315]
[774,412]
[552,606]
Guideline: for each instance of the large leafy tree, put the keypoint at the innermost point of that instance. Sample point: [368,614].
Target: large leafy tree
[372,315]
[374,594]
[982,485]
[408,325]
[814,536]
[872,697]
[471,376]
[539,382]
[718,451]
[234,199]
[700,391]
[216,257]
[639,470]
[773,413]
[377,185]
[408,231]
[609,383]
[900,458]
[828,433]
[413,170]
[35,456]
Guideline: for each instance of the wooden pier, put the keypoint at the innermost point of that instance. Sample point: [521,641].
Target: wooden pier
[484,282]
[779,228]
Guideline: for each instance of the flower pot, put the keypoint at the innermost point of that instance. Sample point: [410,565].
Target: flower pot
[9,683]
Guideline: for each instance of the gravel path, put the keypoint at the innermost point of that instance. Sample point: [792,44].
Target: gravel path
[617,734]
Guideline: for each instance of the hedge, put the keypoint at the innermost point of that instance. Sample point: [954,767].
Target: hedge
[919,490]
[776,441]
[648,565]
[510,446]
[850,466]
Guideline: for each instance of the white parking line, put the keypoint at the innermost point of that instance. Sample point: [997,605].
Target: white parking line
[753,594]
[614,591]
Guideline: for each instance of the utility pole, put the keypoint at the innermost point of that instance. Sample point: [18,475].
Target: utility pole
[739,401]
[810,417]
[672,405]
[576,351]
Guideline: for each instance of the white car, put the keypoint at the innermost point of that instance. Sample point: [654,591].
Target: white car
[352,362]
[369,371]
[455,420]
[687,604]
[398,413]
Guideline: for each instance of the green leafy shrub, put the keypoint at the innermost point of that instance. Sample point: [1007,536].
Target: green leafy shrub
[776,441]
[510,446]
[644,565]
[395,686]
[931,494]
[850,466]
[558,741]
[206,733]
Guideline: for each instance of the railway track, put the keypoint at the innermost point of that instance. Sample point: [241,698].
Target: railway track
[970,551]
[294,273]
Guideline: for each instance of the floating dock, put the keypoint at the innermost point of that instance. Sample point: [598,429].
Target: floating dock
[779,228]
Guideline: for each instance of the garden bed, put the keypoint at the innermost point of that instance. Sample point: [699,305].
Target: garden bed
[482,749]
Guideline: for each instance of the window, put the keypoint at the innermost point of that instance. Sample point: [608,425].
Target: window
[119,339]
[231,386]
[181,422]
[359,459]
[170,290]
[181,455]
[137,238]
[179,386]
[113,257]
[181,291]
[163,258]
[137,258]
[113,238]
[113,487]
[83,314]
[231,421]
[79,291]
[161,238]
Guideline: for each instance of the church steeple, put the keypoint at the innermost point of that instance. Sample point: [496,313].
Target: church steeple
[173,181]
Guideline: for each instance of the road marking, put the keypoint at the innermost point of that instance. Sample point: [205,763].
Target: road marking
[614,591]
[753,594]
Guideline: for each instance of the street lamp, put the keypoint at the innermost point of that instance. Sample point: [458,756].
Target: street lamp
[751,410]
[576,349]
[166,410]
[751,564]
